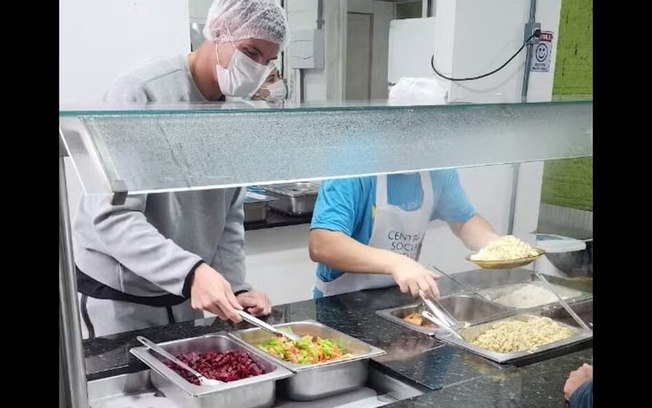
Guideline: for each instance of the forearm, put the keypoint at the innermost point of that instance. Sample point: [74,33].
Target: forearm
[475,233]
[583,396]
[125,234]
[339,251]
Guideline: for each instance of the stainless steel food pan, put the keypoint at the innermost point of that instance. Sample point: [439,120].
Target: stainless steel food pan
[258,391]
[499,293]
[465,308]
[293,198]
[320,380]
[255,211]
[469,334]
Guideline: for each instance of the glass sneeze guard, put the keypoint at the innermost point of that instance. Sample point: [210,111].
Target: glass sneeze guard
[120,152]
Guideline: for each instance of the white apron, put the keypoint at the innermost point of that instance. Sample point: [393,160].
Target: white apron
[394,229]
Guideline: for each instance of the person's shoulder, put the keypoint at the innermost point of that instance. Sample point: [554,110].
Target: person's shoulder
[443,173]
[154,68]
[349,183]
[151,69]
[444,177]
[130,84]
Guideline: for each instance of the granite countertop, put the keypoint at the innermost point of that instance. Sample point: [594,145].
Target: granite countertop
[451,376]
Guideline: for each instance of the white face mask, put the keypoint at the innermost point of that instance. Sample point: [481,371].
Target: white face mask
[277,91]
[242,77]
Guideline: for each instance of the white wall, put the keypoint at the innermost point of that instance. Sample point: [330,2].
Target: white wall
[99,39]
[484,35]
[278,262]
[382,14]
[328,84]
[489,189]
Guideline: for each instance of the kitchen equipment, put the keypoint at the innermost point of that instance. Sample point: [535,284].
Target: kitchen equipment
[267,327]
[293,198]
[565,256]
[583,308]
[469,334]
[202,379]
[563,303]
[581,283]
[314,381]
[462,306]
[440,324]
[255,211]
[256,205]
[512,295]
[252,392]
[438,311]
[465,287]
[506,263]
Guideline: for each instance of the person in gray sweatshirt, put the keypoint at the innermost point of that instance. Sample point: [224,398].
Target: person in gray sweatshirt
[167,257]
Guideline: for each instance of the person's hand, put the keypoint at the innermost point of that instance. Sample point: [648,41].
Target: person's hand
[413,277]
[212,293]
[255,302]
[577,378]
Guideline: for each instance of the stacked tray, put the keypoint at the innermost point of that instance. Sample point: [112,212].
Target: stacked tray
[314,381]
[477,314]
[463,307]
[258,391]
[470,333]
[295,382]
[293,198]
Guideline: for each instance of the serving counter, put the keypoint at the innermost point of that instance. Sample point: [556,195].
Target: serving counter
[417,369]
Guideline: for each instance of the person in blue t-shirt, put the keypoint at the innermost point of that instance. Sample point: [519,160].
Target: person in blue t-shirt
[578,389]
[367,232]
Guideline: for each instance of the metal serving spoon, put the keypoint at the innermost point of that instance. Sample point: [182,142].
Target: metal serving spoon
[153,346]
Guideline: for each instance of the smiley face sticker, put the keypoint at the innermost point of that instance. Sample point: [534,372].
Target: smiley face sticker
[542,52]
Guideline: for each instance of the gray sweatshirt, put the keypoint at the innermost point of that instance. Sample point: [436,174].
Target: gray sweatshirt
[148,246]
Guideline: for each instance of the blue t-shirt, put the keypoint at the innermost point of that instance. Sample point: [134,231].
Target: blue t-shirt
[346,205]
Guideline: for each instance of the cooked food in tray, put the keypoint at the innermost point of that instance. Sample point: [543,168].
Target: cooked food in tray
[508,336]
[228,366]
[531,295]
[308,350]
[507,247]
[418,320]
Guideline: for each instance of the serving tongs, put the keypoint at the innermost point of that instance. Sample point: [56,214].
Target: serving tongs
[563,302]
[462,285]
[434,312]
[267,327]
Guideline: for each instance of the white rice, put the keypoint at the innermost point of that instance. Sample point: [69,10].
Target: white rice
[531,295]
[505,248]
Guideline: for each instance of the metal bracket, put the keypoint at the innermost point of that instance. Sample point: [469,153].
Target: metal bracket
[320,14]
[63,152]
[530,28]
[120,191]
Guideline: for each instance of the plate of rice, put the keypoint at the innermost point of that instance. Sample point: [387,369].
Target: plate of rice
[505,253]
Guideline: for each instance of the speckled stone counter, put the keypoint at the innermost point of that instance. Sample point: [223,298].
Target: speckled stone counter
[451,377]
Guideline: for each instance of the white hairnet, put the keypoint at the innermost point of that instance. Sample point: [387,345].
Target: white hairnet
[234,20]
